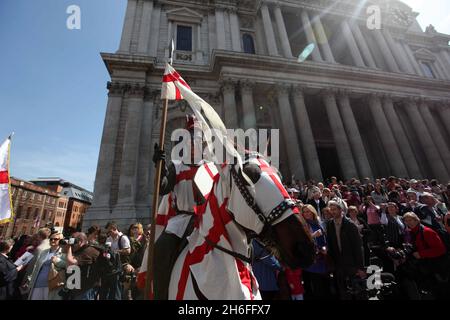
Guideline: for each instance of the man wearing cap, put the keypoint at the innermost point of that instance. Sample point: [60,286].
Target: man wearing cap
[344,247]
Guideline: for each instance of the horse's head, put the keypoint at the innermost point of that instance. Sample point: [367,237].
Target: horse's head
[278,225]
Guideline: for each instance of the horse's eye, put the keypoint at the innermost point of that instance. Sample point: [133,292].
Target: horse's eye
[253,171]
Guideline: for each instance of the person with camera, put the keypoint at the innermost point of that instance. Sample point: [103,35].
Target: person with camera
[38,280]
[81,254]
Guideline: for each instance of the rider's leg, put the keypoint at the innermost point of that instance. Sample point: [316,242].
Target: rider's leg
[166,252]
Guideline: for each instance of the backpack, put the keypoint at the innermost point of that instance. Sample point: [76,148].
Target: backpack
[107,264]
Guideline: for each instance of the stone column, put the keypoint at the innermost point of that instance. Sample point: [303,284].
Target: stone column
[268,30]
[399,56]
[291,143]
[154,36]
[103,177]
[443,56]
[387,54]
[354,136]
[287,52]
[390,147]
[229,104]
[323,40]
[235,31]
[145,155]
[310,37]
[426,141]
[130,152]
[340,137]
[248,107]
[412,59]
[401,137]
[444,113]
[433,128]
[354,51]
[144,33]
[306,136]
[362,44]
[127,29]
[442,67]
[220,29]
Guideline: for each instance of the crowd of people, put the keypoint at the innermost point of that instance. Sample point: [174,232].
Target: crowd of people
[401,226]
[39,267]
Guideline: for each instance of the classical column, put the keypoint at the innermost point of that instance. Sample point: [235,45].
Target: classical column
[103,177]
[229,104]
[145,153]
[154,36]
[310,37]
[442,67]
[130,152]
[426,141]
[235,31]
[399,57]
[354,136]
[401,137]
[433,128]
[248,107]
[443,55]
[220,29]
[291,143]
[354,51]
[412,59]
[127,29]
[387,54]
[144,33]
[306,136]
[340,137]
[323,39]
[285,45]
[390,146]
[268,30]
[444,113]
[362,44]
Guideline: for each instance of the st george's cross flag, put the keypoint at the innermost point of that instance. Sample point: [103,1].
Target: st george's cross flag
[169,90]
[5,198]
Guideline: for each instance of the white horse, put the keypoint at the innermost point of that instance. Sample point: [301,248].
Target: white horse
[216,263]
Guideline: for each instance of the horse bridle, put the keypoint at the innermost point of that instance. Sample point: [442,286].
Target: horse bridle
[276,213]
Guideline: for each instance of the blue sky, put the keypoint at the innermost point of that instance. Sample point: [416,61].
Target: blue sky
[53,82]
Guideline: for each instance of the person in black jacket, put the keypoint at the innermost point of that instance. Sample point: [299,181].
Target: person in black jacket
[8,271]
[345,249]
[317,202]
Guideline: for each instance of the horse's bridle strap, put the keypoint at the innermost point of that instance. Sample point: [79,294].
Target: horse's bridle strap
[273,215]
[231,253]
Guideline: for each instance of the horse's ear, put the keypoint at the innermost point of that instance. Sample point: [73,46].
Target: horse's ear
[253,171]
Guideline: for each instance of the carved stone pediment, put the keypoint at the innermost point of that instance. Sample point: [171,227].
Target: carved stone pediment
[424,54]
[184,15]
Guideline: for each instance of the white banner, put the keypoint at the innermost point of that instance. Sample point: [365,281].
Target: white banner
[5,199]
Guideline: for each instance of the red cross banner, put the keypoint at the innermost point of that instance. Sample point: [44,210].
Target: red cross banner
[5,195]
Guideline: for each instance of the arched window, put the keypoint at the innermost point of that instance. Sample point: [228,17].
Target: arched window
[249,45]
[428,70]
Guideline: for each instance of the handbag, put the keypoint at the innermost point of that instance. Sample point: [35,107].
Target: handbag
[56,279]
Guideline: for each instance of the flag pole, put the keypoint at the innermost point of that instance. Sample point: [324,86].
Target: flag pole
[151,244]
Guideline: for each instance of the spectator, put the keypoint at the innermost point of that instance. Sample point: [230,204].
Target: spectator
[317,203]
[8,271]
[92,234]
[120,244]
[378,195]
[85,257]
[345,248]
[363,229]
[326,195]
[395,229]
[266,268]
[428,212]
[316,277]
[38,279]
[294,280]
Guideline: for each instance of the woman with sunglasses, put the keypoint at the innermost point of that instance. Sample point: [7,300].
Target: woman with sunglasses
[39,278]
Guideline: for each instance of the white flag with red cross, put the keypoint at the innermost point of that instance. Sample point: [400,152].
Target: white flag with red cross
[169,89]
[6,212]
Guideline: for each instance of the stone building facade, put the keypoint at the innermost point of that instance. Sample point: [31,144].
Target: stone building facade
[367,103]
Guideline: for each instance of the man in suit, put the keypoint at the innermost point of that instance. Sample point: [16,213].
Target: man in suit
[317,202]
[8,271]
[429,213]
[345,249]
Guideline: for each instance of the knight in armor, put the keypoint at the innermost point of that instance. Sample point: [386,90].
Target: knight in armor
[177,177]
